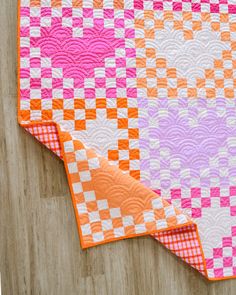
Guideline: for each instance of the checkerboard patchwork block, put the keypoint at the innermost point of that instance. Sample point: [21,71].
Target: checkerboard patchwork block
[84,116]
[222,261]
[220,254]
[138,64]
[195,200]
[103,198]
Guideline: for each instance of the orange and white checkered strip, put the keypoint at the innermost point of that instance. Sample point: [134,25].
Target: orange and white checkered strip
[110,205]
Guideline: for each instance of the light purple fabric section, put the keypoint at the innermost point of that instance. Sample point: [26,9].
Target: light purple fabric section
[198,135]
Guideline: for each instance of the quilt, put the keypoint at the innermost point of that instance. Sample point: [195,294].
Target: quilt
[138,98]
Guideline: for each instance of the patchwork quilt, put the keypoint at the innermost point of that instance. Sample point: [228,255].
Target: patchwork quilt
[138,98]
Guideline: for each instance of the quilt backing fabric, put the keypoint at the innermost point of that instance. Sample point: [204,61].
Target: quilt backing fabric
[138,99]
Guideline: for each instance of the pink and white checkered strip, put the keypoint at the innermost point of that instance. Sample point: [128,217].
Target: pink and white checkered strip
[47,135]
[184,243]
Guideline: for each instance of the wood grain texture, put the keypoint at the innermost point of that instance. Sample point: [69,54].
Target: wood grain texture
[39,245]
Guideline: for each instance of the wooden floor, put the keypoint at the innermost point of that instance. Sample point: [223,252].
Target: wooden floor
[39,246]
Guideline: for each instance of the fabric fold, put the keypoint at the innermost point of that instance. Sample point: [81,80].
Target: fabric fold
[111,205]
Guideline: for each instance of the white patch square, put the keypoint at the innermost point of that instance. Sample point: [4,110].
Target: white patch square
[93,163]
[66,22]
[45,62]
[89,196]
[98,237]
[181,219]
[94,216]
[35,72]
[119,232]
[68,146]
[81,155]
[107,224]
[45,21]
[149,216]
[24,63]
[161,223]
[140,228]
[102,204]
[169,211]
[24,21]
[77,188]
[128,220]
[86,229]
[34,31]
[115,212]
[157,203]
[85,176]
[82,208]
[72,167]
